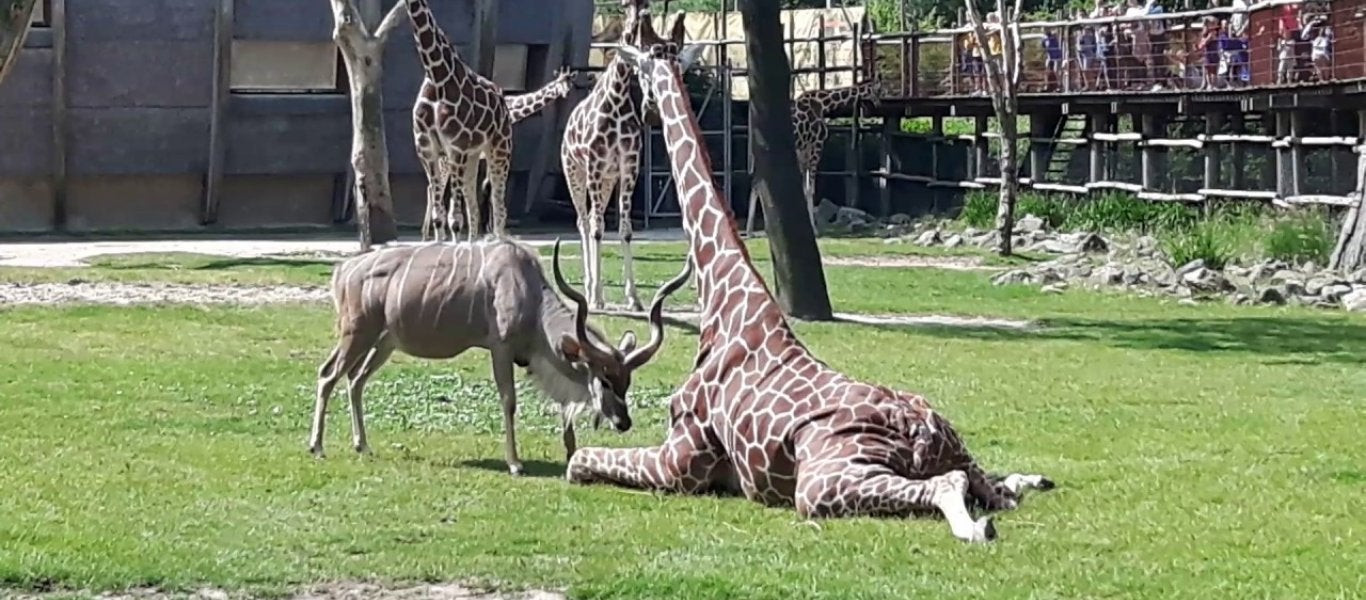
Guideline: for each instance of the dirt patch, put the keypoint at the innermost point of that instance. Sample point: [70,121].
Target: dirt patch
[156,293]
[331,591]
[951,263]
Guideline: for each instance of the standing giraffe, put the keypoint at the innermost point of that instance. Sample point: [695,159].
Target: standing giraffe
[471,122]
[809,112]
[429,153]
[760,414]
[601,153]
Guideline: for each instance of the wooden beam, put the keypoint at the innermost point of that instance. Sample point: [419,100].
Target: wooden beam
[1214,121]
[890,126]
[1297,174]
[1236,127]
[981,147]
[484,38]
[218,103]
[550,126]
[60,124]
[1100,123]
[1285,171]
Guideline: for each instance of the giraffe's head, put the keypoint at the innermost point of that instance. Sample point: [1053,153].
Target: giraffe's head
[645,50]
[601,372]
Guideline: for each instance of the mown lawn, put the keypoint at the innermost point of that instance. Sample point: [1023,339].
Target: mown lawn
[1200,451]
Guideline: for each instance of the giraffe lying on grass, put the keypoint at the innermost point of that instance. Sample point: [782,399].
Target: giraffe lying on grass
[760,414]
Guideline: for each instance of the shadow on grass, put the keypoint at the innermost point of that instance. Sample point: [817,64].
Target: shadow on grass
[530,468]
[1278,340]
[211,264]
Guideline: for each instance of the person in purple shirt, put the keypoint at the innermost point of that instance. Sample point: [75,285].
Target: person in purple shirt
[1052,47]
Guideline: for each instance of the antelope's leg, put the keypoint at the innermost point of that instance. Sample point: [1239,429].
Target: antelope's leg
[571,442]
[840,487]
[349,352]
[355,389]
[502,376]
[687,463]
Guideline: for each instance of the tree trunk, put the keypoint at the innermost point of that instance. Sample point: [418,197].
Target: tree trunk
[364,56]
[14,21]
[799,278]
[1010,184]
[1350,253]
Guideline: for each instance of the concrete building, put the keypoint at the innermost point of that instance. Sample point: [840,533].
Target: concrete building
[105,119]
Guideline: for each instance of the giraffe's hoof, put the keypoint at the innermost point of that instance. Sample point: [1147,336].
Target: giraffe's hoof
[983,531]
[515,469]
[316,451]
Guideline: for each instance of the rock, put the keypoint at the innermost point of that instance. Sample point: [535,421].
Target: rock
[986,239]
[1308,267]
[971,232]
[1188,302]
[899,219]
[848,215]
[1029,224]
[1198,263]
[1206,280]
[826,211]
[1355,301]
[1314,287]
[1146,245]
[1286,275]
[1271,295]
[1358,276]
[1108,274]
[1013,276]
[1091,242]
[1294,288]
[1053,288]
[929,238]
[1335,292]
[953,241]
[1239,299]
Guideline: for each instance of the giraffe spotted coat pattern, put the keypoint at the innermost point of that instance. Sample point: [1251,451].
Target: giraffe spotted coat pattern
[761,415]
[470,122]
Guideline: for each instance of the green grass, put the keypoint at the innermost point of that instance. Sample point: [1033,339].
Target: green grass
[1205,451]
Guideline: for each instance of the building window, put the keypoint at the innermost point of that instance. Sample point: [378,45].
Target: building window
[509,67]
[40,12]
[274,67]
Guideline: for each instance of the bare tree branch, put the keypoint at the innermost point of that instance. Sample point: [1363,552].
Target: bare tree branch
[345,16]
[391,21]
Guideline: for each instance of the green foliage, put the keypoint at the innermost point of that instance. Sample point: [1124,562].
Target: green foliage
[1124,212]
[979,210]
[1205,241]
[1305,235]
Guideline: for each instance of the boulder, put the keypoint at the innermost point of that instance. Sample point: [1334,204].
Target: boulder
[1108,274]
[1206,280]
[1053,288]
[1272,295]
[899,219]
[1355,301]
[953,241]
[826,211]
[1013,276]
[1358,276]
[850,216]
[1335,292]
[1239,299]
[1029,224]
[1181,271]
[929,238]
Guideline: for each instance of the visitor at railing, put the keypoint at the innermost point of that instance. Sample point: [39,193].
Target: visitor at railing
[1211,35]
[1052,64]
[1234,69]
[1088,62]
[1320,34]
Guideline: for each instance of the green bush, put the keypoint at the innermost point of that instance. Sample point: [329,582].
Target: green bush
[1207,240]
[979,210]
[1302,236]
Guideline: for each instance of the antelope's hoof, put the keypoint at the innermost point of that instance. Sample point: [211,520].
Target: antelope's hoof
[316,451]
[983,531]
[515,469]
[362,448]
[1046,484]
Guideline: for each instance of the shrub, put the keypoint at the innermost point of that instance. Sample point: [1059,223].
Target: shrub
[1206,240]
[1302,236]
[979,210]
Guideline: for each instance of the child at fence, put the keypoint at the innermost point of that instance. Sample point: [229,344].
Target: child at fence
[1052,63]
[1105,57]
[1210,51]
[1086,53]
[1234,56]
[1320,35]
[972,63]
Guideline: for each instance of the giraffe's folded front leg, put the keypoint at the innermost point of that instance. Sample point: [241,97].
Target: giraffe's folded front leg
[994,492]
[845,488]
[685,464]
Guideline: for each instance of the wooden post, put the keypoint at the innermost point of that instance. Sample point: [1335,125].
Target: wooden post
[1297,173]
[546,148]
[981,147]
[1237,177]
[1148,155]
[218,103]
[484,38]
[1285,171]
[57,21]
[913,69]
[936,138]
[1041,126]
[891,126]
[1335,165]
[1100,122]
[1214,122]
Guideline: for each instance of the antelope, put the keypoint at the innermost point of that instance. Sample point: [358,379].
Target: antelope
[437,300]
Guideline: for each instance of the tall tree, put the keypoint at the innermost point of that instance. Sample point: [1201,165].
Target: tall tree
[15,16]
[1003,80]
[360,34]
[799,278]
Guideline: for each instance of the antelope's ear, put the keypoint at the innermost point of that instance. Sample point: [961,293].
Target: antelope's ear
[679,31]
[571,349]
[689,55]
[628,342]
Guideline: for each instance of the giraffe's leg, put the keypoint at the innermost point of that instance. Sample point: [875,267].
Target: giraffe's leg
[453,168]
[467,180]
[809,190]
[355,388]
[843,487]
[433,220]
[687,463]
[1002,492]
[576,178]
[598,197]
[626,186]
[499,164]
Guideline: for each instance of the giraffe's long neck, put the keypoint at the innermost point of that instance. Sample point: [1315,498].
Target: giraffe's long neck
[827,101]
[439,60]
[525,105]
[727,281]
